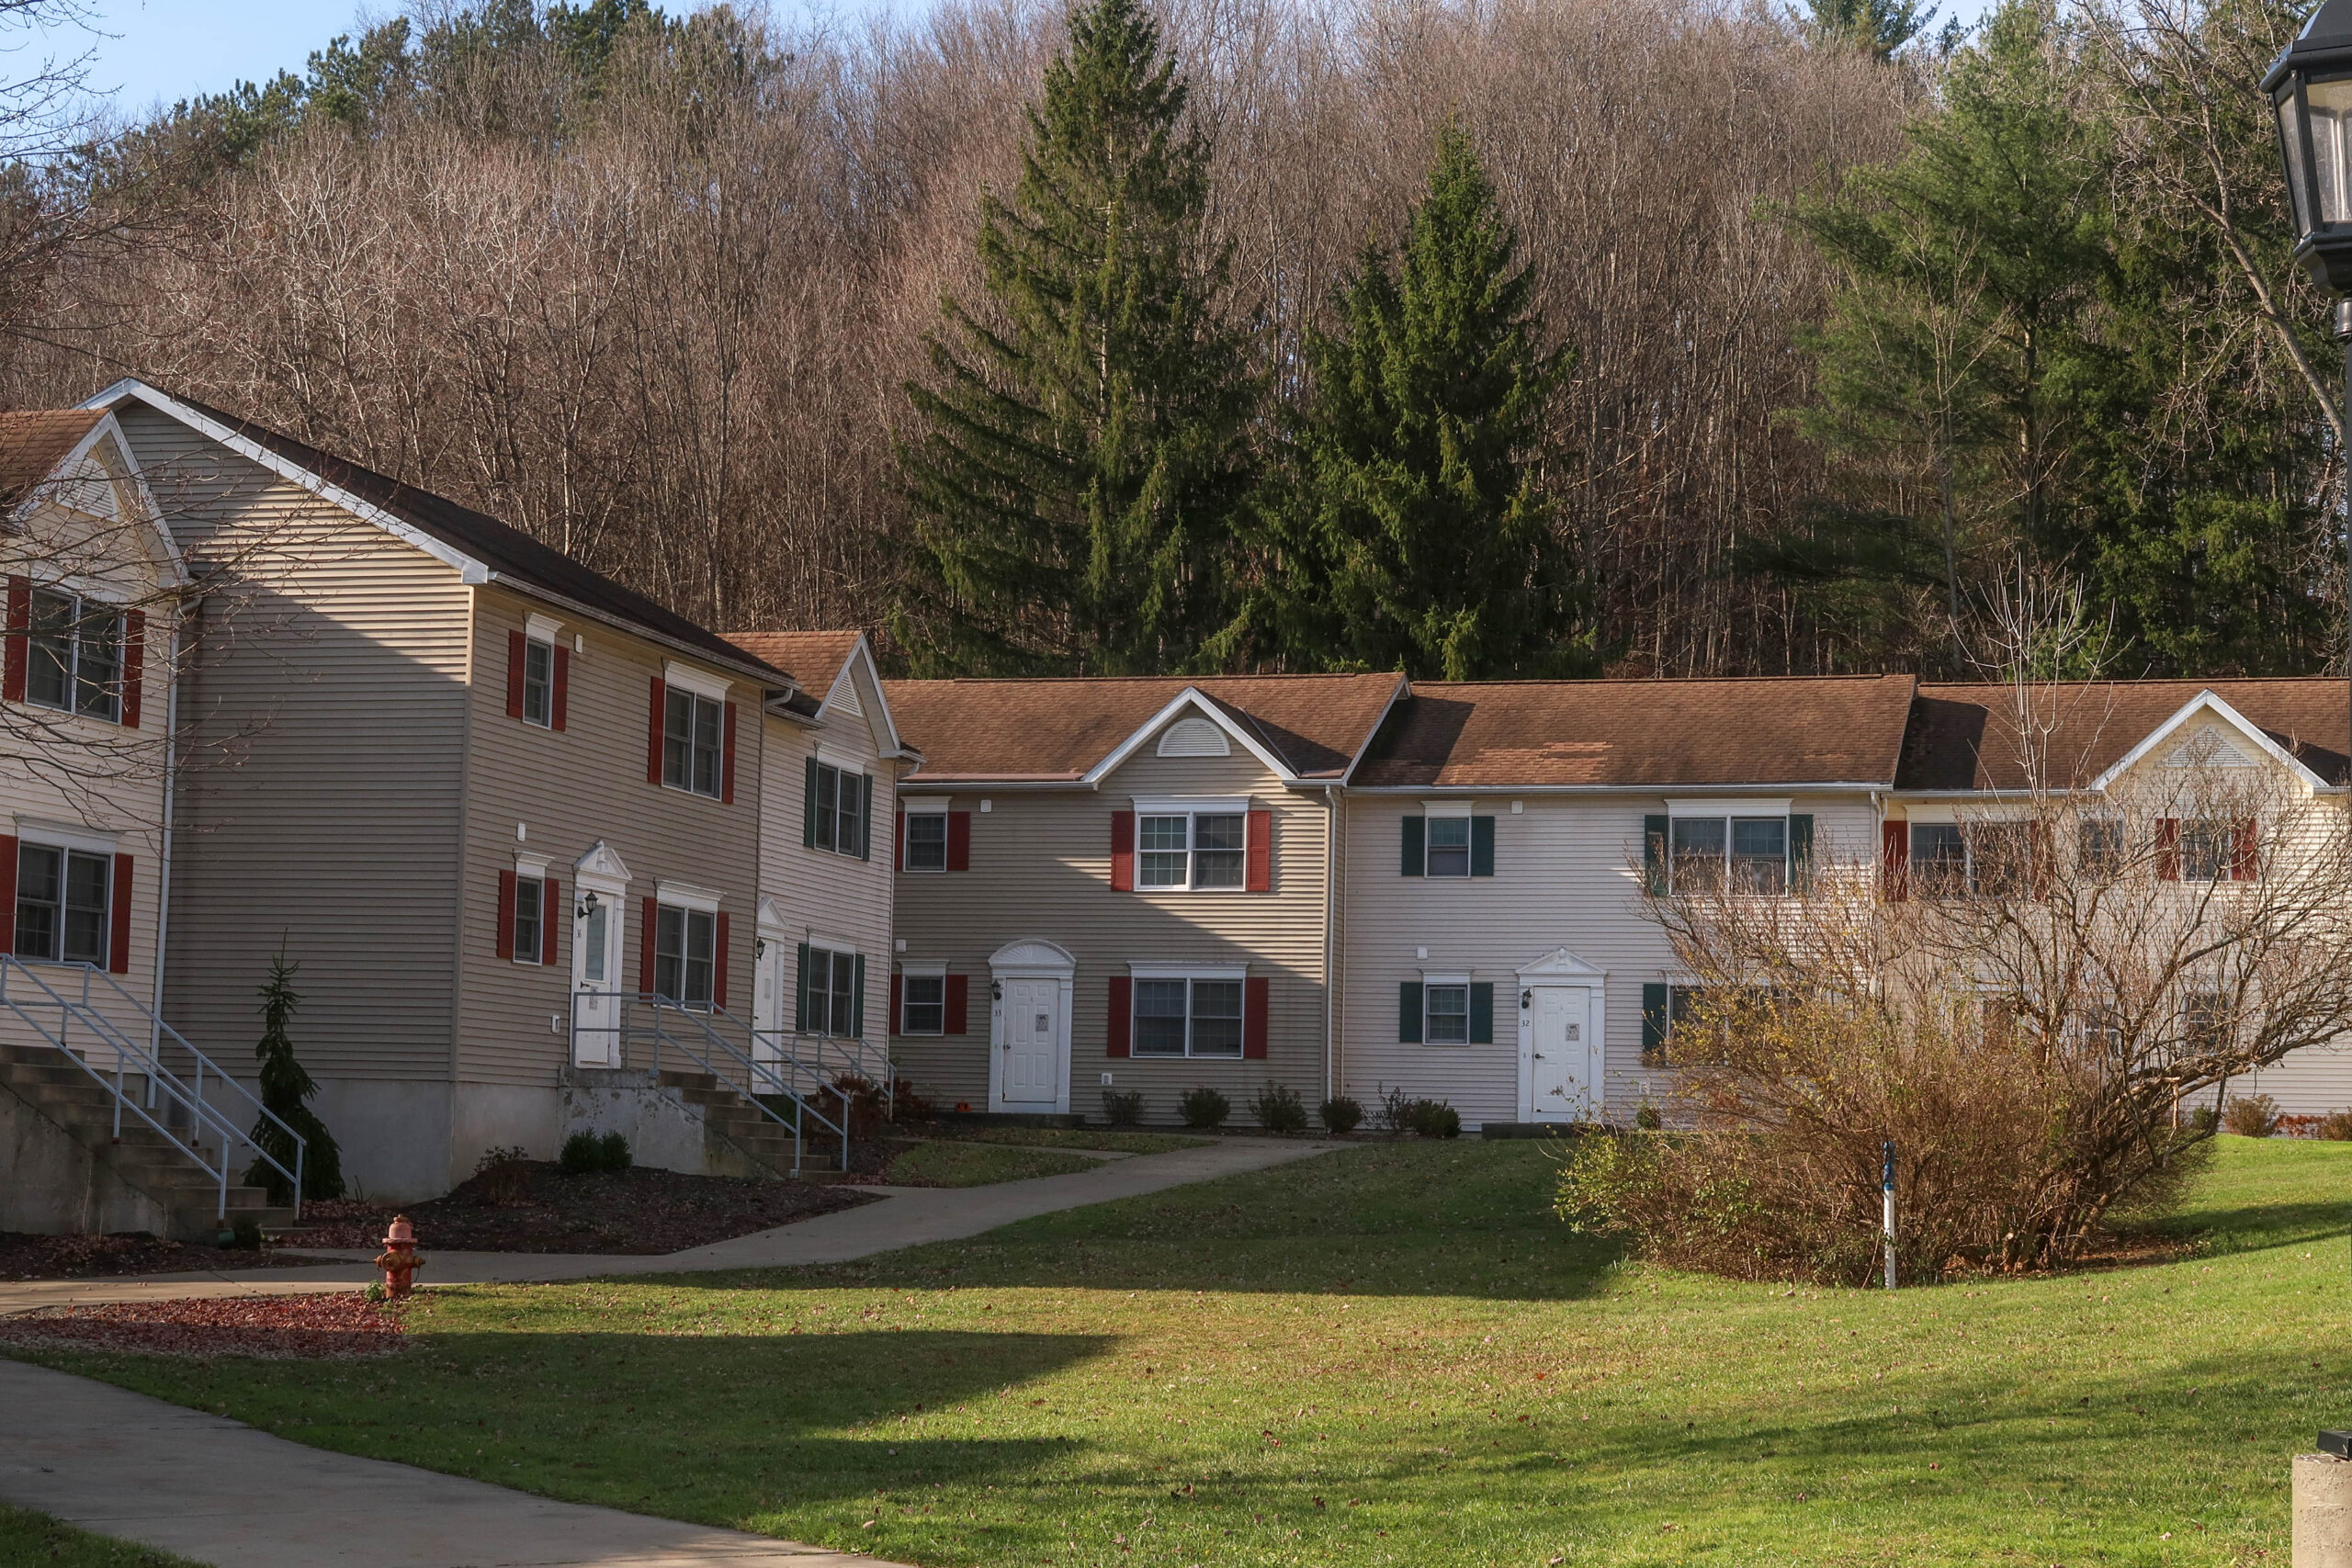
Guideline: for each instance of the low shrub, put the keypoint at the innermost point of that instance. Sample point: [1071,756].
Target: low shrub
[1434,1119]
[2335,1127]
[613,1150]
[2250,1116]
[1122,1110]
[586,1154]
[871,1110]
[504,1173]
[1647,1119]
[1205,1108]
[1395,1114]
[2205,1121]
[1278,1110]
[1341,1115]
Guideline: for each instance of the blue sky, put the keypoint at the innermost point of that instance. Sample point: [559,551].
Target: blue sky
[161,50]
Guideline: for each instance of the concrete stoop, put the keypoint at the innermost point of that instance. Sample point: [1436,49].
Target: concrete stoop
[64,1170]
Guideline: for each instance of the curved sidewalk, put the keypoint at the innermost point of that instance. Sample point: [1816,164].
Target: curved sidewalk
[908,1216]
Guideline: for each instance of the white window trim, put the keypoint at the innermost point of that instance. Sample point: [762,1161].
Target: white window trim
[843,945]
[541,628]
[84,844]
[1191,808]
[1733,807]
[1190,805]
[531,865]
[924,971]
[1446,977]
[1448,807]
[923,805]
[66,836]
[1188,971]
[111,598]
[1431,982]
[687,678]
[684,896]
[1726,813]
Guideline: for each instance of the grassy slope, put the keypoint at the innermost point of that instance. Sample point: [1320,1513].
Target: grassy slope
[980,1165]
[28,1538]
[1388,1354]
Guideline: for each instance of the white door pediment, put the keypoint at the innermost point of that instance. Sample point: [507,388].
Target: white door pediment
[1033,955]
[602,864]
[1559,965]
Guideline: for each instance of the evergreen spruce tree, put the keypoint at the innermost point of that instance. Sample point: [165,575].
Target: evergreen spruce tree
[285,1088]
[1411,534]
[1080,454]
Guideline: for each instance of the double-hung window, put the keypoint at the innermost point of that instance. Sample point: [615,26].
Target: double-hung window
[1196,1015]
[922,1004]
[1199,847]
[693,741]
[73,655]
[837,811]
[2099,846]
[1980,859]
[2208,850]
[927,839]
[1449,841]
[538,683]
[1670,1012]
[530,918]
[62,903]
[685,954]
[829,1000]
[1445,1007]
[1745,854]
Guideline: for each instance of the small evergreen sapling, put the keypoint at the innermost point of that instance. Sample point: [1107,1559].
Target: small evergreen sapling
[285,1087]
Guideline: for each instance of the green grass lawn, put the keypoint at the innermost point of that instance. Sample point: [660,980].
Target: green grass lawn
[980,1165]
[1391,1353]
[35,1540]
[1116,1140]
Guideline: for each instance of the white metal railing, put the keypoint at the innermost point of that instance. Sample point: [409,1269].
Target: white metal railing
[766,1066]
[184,1097]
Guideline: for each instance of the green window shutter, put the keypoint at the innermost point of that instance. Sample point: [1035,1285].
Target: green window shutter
[857,997]
[864,821]
[1654,830]
[1654,1021]
[800,988]
[1482,846]
[1409,1012]
[1801,853]
[1482,1010]
[1414,856]
[808,804]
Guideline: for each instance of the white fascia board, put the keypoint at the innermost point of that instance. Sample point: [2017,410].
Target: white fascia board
[2208,701]
[110,429]
[887,743]
[1191,696]
[1403,689]
[1774,791]
[469,569]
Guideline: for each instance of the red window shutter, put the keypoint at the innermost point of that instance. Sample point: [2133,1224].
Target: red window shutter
[20,620]
[1123,864]
[119,938]
[1894,861]
[959,1005]
[959,840]
[560,704]
[719,963]
[1254,994]
[1123,1005]
[895,981]
[726,761]
[2246,852]
[2168,848]
[506,914]
[898,848]
[134,665]
[553,916]
[8,847]
[1262,852]
[517,650]
[645,941]
[654,740]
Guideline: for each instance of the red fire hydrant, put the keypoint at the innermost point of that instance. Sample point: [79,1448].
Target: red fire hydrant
[400,1259]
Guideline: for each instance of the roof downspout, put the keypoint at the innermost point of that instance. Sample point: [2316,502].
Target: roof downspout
[1331,945]
[164,847]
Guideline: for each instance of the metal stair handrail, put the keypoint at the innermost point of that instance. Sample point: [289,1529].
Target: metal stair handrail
[131,1054]
[813,1053]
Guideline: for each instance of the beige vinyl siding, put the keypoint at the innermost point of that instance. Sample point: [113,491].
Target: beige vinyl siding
[817,892]
[568,789]
[1041,868]
[1565,877]
[317,805]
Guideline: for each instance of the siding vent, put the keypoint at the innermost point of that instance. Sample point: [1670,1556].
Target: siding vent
[1193,738]
[844,694]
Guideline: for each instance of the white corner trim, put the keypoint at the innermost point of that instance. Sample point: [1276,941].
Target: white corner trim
[1729,806]
[1186,805]
[700,682]
[686,896]
[541,628]
[2208,701]
[67,835]
[531,865]
[1446,808]
[1191,696]
[1188,971]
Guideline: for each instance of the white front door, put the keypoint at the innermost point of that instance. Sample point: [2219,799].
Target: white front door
[1029,1053]
[595,977]
[1563,1065]
[769,988]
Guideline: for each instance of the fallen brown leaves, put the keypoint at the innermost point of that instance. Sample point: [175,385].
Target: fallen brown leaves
[271,1327]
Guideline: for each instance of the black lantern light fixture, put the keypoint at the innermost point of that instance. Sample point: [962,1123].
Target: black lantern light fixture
[2311,97]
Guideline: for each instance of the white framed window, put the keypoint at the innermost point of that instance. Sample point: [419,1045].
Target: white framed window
[1980,859]
[922,1001]
[530,918]
[538,683]
[2100,845]
[1187,1014]
[63,904]
[685,953]
[926,835]
[1445,1010]
[837,810]
[694,728]
[1191,845]
[74,654]
[2208,850]
[829,999]
[1748,854]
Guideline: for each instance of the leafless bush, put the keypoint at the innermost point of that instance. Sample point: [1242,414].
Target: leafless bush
[2250,1115]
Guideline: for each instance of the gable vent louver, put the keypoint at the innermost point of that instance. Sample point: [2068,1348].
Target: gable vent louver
[1193,738]
[843,695]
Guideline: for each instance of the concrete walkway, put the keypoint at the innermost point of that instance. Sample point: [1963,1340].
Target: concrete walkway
[908,1216]
[218,1490]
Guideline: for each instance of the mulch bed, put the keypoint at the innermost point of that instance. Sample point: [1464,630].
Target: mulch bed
[637,1212]
[274,1327]
[24,1257]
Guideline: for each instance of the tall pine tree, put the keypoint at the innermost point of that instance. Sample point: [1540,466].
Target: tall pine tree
[286,1091]
[1081,451]
[1412,534]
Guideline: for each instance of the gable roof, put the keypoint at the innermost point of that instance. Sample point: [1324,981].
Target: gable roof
[815,662]
[1764,731]
[1965,736]
[33,442]
[479,547]
[1062,729]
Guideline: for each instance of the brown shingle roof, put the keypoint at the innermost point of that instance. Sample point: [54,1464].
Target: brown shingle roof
[1666,734]
[34,441]
[1964,736]
[813,660]
[1057,729]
